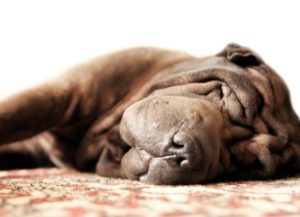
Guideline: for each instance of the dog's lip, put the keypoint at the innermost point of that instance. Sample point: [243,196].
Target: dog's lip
[143,159]
[169,159]
[143,177]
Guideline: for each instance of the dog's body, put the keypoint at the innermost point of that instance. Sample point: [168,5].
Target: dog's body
[158,116]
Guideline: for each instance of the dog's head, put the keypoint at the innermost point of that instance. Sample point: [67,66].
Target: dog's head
[183,132]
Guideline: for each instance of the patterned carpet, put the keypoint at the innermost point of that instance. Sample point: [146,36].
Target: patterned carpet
[57,192]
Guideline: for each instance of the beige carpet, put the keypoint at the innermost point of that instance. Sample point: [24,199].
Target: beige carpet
[55,192]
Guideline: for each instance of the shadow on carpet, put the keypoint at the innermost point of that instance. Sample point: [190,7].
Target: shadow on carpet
[58,192]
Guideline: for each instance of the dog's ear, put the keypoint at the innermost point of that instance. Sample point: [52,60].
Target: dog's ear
[240,55]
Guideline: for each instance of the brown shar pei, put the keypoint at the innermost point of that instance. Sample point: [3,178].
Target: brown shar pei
[157,116]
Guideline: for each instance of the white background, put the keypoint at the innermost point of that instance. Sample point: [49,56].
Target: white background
[39,39]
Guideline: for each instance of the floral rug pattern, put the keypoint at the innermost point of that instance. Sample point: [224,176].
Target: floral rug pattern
[59,192]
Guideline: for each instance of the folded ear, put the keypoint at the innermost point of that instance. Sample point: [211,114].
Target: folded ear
[240,55]
[103,150]
[109,163]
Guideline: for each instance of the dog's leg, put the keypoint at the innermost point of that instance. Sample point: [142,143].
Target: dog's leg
[85,91]
[32,111]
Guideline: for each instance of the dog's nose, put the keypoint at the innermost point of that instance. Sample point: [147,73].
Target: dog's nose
[182,151]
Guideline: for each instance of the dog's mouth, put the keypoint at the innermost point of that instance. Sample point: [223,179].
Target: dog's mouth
[135,163]
[140,165]
[171,160]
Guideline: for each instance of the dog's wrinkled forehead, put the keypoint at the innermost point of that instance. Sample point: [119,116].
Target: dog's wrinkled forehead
[182,131]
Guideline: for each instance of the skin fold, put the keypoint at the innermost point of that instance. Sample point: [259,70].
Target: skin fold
[158,116]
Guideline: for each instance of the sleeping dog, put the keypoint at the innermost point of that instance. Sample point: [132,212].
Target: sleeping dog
[158,116]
